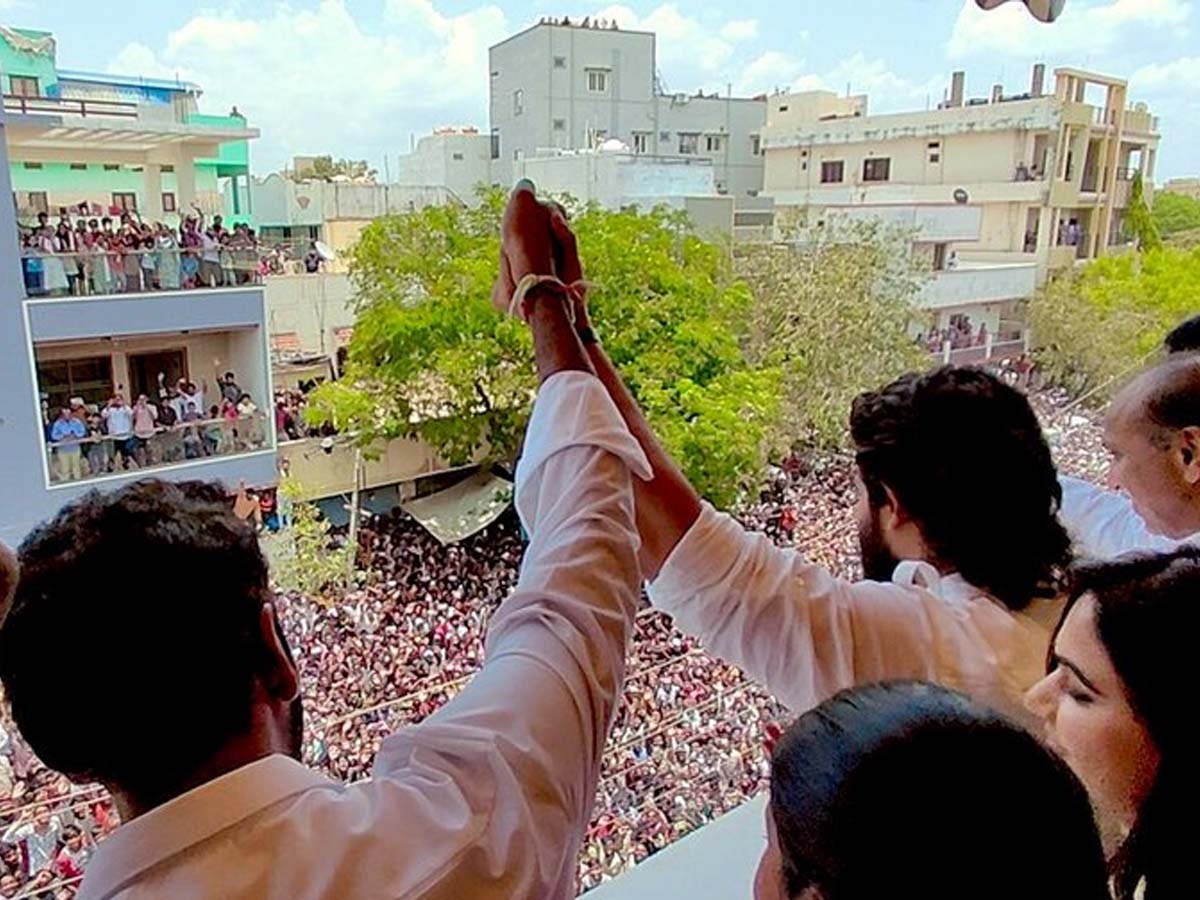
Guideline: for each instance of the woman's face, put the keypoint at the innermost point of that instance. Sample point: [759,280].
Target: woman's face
[1090,723]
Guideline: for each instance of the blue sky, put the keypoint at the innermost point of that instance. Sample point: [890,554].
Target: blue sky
[360,77]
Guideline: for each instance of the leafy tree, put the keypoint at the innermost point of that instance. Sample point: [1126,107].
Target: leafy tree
[1138,220]
[710,355]
[1097,324]
[325,168]
[832,308]
[306,557]
[1174,213]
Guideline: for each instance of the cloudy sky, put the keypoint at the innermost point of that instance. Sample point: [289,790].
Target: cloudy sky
[360,77]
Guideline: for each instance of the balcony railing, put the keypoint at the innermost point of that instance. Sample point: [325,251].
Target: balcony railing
[97,272]
[982,284]
[105,454]
[59,106]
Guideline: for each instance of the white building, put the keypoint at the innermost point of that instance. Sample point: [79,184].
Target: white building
[558,86]
[457,159]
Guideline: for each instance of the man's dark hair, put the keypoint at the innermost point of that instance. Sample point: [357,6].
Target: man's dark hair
[1147,617]
[1184,337]
[165,586]
[965,456]
[908,789]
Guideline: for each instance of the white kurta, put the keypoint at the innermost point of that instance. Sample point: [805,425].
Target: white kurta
[487,798]
[1104,524]
[805,635]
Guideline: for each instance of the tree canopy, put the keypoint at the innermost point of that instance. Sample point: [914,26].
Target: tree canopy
[1098,323]
[715,360]
[326,168]
[1174,213]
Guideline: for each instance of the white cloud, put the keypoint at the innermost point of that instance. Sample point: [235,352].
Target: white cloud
[1084,28]
[691,51]
[887,91]
[767,72]
[316,80]
[1180,75]
[740,30]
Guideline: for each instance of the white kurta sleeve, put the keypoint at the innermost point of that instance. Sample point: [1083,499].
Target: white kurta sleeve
[1103,523]
[511,764]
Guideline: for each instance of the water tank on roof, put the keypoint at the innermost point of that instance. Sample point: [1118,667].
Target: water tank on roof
[614,145]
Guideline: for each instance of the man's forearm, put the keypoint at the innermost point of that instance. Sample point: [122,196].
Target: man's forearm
[667,504]
[556,346]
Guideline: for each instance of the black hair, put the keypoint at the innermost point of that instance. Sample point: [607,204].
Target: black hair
[931,438]
[910,789]
[177,633]
[1147,616]
[1184,337]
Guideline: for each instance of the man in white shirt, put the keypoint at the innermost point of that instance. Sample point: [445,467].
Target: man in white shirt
[40,837]
[956,572]
[1152,429]
[195,725]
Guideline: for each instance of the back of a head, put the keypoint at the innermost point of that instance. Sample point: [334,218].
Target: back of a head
[908,789]
[965,456]
[1184,337]
[1167,395]
[164,587]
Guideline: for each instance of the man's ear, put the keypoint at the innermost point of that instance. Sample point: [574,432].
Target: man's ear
[892,513]
[279,676]
[1189,455]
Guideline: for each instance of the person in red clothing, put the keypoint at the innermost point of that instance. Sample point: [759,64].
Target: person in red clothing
[74,855]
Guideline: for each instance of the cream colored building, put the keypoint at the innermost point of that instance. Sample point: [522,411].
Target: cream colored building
[1187,187]
[1047,176]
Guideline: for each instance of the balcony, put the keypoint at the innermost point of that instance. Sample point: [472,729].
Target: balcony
[978,284]
[16,104]
[98,271]
[101,455]
[932,223]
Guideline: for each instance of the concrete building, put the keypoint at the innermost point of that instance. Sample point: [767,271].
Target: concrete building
[558,86]
[457,159]
[111,143]
[1002,190]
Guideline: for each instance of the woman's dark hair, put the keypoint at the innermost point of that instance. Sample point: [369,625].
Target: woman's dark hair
[1147,617]
[909,789]
[932,438]
[168,586]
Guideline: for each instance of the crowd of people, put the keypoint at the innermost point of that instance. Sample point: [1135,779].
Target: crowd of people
[184,421]
[126,254]
[689,741]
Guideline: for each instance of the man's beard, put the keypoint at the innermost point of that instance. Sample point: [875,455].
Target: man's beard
[296,729]
[878,562]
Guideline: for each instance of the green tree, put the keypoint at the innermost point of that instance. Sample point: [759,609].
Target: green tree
[306,557]
[1138,220]
[1098,323]
[1174,213]
[832,307]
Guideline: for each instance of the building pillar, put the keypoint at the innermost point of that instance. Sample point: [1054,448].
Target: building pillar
[185,181]
[152,205]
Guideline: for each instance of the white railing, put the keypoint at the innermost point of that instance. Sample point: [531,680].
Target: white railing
[982,284]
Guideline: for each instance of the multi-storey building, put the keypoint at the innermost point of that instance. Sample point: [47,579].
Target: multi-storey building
[77,351]
[561,86]
[1002,190]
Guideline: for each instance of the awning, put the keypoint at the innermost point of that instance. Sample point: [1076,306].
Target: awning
[458,512]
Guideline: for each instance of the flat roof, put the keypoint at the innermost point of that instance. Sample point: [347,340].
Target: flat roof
[538,25]
[128,81]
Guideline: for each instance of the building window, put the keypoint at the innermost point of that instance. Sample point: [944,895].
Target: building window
[23,86]
[165,169]
[126,200]
[877,169]
[88,377]
[560,62]
[112,167]
[713,143]
[664,137]
[560,124]
[833,172]
[935,152]
[756,144]
[79,167]
[689,143]
[33,165]
[783,108]
[641,142]
[495,143]
[457,157]
[597,81]
[518,102]
[168,201]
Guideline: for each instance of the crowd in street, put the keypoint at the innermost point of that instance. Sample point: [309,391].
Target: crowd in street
[91,254]
[688,744]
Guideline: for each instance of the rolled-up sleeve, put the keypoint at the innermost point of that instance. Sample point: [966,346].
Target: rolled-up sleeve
[510,765]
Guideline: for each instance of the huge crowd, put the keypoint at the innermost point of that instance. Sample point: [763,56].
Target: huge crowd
[689,741]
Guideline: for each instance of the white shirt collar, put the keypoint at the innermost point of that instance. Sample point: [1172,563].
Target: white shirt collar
[192,817]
